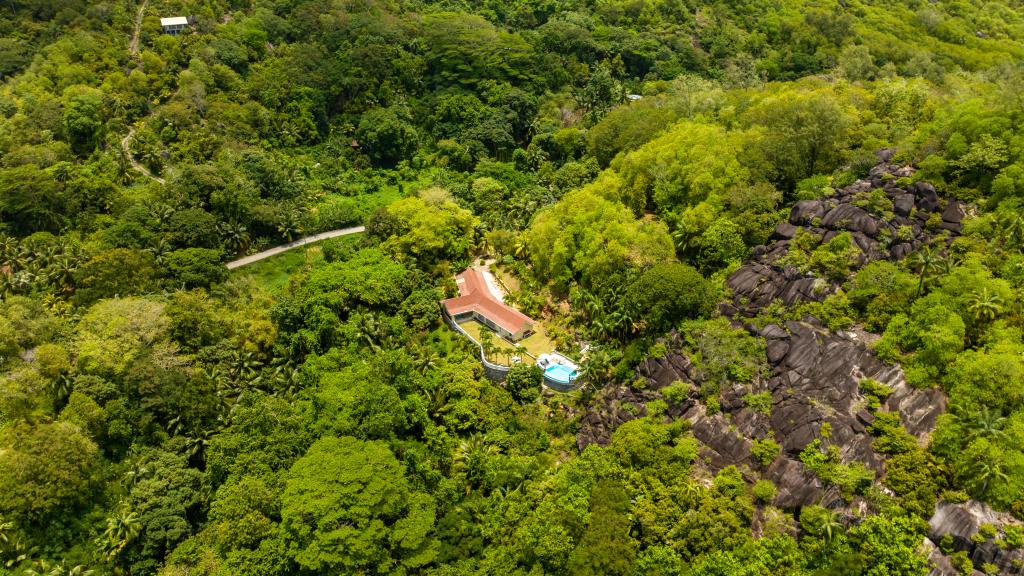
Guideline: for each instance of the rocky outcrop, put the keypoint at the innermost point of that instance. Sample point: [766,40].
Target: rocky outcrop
[814,380]
[954,527]
[814,374]
[879,232]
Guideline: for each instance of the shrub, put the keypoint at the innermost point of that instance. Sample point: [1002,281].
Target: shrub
[1014,535]
[765,451]
[676,392]
[761,402]
[962,563]
[764,491]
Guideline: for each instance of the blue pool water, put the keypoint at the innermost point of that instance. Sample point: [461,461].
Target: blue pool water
[560,374]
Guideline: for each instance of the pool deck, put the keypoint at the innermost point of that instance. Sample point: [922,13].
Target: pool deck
[559,372]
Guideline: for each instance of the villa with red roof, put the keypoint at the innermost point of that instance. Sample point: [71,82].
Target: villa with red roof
[477,301]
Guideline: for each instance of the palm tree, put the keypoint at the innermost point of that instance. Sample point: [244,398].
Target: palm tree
[437,401]
[830,527]
[60,390]
[487,341]
[161,213]
[195,445]
[8,246]
[521,249]
[924,260]
[946,264]
[986,306]
[23,281]
[17,258]
[62,272]
[692,490]
[125,174]
[243,367]
[471,457]
[987,471]
[986,424]
[121,531]
[6,531]
[235,235]
[596,366]
[825,524]
[285,379]
[175,426]
[370,330]
[681,239]
[290,226]
[425,358]
[14,552]
[160,249]
[6,285]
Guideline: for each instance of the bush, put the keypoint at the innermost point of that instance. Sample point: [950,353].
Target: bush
[195,267]
[962,563]
[764,491]
[765,451]
[1014,535]
[761,402]
[524,382]
[667,293]
[676,392]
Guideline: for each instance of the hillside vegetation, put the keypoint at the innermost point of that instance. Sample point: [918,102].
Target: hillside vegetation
[789,236]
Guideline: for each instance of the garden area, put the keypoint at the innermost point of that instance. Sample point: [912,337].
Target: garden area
[500,350]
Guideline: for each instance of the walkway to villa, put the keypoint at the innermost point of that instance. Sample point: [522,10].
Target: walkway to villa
[294,244]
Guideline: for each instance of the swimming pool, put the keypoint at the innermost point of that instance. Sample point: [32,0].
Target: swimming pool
[560,374]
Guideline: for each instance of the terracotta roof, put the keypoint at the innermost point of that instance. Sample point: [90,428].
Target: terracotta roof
[475,296]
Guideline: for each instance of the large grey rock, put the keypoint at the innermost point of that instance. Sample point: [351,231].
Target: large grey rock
[926,198]
[721,445]
[902,204]
[853,218]
[797,486]
[954,212]
[784,231]
[918,409]
[806,211]
[959,522]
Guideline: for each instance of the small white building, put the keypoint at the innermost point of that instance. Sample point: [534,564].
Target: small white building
[175,25]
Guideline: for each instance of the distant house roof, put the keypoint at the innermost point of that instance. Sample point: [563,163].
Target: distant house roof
[475,296]
[174,21]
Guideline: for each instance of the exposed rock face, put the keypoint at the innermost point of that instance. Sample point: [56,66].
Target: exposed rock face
[957,523]
[814,373]
[814,379]
[879,234]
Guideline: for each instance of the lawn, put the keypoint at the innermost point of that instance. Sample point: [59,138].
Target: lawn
[538,343]
[274,272]
[535,345]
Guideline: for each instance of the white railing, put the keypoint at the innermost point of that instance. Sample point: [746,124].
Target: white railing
[493,371]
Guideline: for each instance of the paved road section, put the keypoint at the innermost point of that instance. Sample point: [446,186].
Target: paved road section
[295,244]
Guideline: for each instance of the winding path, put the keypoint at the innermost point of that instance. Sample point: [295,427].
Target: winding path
[133,51]
[133,44]
[294,244]
[138,167]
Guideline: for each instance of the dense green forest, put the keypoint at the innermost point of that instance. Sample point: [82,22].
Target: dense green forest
[686,192]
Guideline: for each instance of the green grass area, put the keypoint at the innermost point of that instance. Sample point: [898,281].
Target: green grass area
[274,272]
[535,345]
[538,343]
